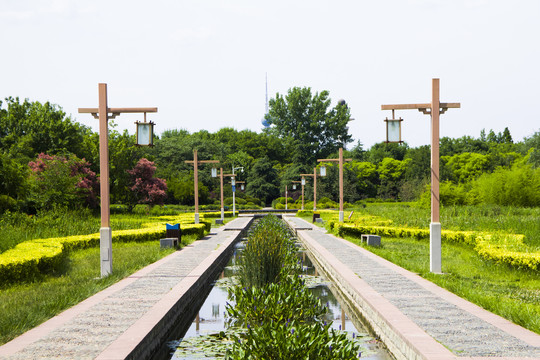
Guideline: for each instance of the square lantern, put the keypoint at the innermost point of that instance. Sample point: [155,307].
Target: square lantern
[393,130]
[294,186]
[214,172]
[242,187]
[303,182]
[233,182]
[323,170]
[145,133]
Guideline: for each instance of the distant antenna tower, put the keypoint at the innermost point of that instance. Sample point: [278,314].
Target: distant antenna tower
[264,121]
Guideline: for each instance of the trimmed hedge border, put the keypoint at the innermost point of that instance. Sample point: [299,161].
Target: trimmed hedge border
[501,248]
[34,257]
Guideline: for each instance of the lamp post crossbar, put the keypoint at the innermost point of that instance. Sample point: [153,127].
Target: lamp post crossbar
[435,109]
[340,161]
[102,114]
[196,164]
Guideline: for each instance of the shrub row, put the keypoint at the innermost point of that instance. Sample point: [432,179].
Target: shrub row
[502,248]
[31,258]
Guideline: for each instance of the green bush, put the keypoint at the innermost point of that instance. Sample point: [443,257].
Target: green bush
[267,252]
[7,203]
[289,340]
[518,186]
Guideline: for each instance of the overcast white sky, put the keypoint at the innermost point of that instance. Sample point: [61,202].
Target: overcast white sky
[203,63]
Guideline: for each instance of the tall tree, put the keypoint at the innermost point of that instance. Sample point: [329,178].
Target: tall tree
[307,122]
[30,128]
[262,181]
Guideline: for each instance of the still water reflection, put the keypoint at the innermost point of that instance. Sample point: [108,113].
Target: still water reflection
[211,316]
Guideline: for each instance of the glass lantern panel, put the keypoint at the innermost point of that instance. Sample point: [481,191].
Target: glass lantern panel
[233,182]
[242,187]
[323,170]
[294,187]
[303,182]
[393,131]
[214,172]
[144,134]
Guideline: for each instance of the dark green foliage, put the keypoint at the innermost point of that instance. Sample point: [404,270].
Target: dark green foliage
[307,122]
[382,150]
[263,182]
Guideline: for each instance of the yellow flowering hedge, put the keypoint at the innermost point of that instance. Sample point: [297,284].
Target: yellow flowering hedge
[29,258]
[503,248]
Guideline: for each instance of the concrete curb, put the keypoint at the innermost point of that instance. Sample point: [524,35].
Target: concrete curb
[402,336]
[142,339]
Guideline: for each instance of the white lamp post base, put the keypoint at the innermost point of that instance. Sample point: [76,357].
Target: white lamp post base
[105,250]
[222,214]
[341,216]
[196,218]
[435,247]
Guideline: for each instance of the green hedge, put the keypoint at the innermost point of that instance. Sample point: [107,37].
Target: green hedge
[30,258]
[500,247]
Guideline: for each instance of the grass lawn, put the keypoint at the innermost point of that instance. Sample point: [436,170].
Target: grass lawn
[26,305]
[509,292]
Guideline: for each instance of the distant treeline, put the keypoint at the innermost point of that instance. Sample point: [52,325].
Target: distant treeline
[49,160]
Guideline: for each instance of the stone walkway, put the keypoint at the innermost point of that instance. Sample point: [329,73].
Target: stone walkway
[464,330]
[112,323]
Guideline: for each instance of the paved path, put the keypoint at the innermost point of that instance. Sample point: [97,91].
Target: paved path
[112,323]
[432,322]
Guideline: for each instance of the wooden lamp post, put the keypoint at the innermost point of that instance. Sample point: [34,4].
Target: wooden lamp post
[144,135]
[196,163]
[221,175]
[314,175]
[303,181]
[340,161]
[435,109]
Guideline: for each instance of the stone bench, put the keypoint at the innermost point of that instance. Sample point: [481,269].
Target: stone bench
[173,236]
[371,240]
[169,242]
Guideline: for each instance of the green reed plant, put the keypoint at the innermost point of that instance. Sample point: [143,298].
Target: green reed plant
[291,340]
[268,251]
[281,318]
[274,302]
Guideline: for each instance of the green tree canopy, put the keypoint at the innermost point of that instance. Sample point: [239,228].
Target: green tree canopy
[263,182]
[30,128]
[306,122]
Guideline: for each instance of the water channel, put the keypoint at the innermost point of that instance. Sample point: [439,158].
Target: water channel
[202,339]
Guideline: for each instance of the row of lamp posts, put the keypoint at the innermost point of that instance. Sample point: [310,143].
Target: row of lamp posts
[340,160]
[144,137]
[195,163]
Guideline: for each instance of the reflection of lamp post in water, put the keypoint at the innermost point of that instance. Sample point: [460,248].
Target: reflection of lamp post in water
[393,134]
[144,138]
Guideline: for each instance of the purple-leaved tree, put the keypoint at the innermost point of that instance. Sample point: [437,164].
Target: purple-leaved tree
[149,189]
